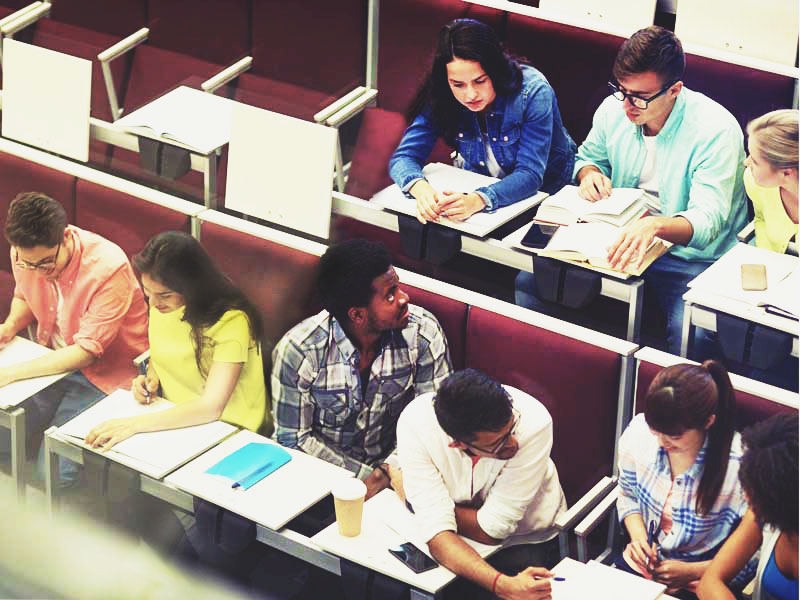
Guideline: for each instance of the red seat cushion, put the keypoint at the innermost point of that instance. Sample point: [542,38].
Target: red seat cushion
[451,314]
[126,17]
[20,175]
[281,97]
[126,220]
[314,44]
[378,137]
[278,279]
[576,381]
[216,31]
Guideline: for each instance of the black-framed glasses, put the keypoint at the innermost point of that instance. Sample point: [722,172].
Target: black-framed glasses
[45,266]
[502,442]
[637,101]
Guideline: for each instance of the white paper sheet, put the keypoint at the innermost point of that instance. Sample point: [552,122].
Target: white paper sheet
[17,351]
[164,450]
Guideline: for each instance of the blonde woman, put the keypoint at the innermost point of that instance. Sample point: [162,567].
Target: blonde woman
[771,177]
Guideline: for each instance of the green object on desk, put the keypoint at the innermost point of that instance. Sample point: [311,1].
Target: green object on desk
[250,464]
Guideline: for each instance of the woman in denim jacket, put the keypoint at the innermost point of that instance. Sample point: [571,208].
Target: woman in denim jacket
[501,118]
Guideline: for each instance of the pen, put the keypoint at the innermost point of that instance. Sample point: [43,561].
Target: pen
[143,371]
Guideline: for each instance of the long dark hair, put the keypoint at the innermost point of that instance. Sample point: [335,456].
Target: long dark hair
[178,261]
[683,397]
[466,39]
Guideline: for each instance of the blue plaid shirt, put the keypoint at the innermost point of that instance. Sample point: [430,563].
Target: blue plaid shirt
[645,480]
[318,402]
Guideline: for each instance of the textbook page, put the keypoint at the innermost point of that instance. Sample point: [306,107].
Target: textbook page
[189,116]
[566,207]
[402,521]
[17,351]
[449,178]
[163,450]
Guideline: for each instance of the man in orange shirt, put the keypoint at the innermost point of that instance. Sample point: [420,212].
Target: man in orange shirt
[83,294]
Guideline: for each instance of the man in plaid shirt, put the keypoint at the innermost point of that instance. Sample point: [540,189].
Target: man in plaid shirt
[341,378]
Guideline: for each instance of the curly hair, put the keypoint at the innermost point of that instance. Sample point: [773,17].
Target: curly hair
[35,219]
[768,470]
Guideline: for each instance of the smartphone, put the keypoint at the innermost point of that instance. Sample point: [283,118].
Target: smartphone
[414,558]
[754,277]
[538,235]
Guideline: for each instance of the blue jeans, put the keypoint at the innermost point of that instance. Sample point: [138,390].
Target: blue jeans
[55,405]
[665,281]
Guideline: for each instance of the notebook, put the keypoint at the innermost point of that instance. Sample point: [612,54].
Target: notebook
[250,464]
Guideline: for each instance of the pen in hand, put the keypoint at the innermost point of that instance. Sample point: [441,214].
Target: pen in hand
[143,372]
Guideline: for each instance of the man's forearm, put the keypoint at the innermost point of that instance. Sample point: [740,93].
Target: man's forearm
[677,230]
[455,554]
[585,171]
[19,315]
[468,526]
[70,358]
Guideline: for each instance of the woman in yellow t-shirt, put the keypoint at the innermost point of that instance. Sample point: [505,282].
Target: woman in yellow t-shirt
[205,350]
[771,177]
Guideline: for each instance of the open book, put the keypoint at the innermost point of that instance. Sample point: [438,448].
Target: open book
[589,242]
[620,208]
[154,453]
[188,116]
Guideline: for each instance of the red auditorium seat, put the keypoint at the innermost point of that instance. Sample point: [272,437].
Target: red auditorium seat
[750,408]
[554,369]
[452,316]
[126,220]
[126,17]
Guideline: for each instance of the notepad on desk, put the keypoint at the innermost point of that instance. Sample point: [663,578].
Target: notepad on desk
[188,116]
[443,178]
[589,242]
[250,464]
[566,207]
[17,351]
[154,453]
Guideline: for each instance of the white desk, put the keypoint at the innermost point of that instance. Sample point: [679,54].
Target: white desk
[718,289]
[619,286]
[273,501]
[11,416]
[601,582]
[153,454]
[190,119]
[370,549]
[446,177]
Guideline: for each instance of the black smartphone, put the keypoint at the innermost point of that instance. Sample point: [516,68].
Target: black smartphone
[538,235]
[414,558]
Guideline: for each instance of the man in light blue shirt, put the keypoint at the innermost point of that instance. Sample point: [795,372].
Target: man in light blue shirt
[679,145]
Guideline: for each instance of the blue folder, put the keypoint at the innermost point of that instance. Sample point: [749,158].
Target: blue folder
[250,464]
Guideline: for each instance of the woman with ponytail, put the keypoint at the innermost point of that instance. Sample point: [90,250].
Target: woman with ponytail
[679,490]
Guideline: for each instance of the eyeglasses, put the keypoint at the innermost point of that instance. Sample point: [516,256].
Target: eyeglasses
[45,266]
[637,101]
[502,442]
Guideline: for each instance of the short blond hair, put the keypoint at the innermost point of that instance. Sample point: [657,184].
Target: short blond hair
[776,133]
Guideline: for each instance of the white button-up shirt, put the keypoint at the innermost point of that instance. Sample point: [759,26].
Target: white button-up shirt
[519,498]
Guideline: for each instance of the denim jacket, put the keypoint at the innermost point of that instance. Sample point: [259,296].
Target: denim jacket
[526,136]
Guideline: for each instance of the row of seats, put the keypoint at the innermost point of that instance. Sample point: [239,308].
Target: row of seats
[579,375]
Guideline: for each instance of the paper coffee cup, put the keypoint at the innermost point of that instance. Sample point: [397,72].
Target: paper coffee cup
[348,501]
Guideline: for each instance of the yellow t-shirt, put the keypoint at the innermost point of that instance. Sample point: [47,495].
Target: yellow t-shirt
[228,340]
[774,228]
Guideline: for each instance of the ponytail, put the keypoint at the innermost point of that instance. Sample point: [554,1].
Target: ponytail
[720,437]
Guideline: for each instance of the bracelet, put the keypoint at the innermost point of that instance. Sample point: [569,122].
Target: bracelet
[385,472]
[494,583]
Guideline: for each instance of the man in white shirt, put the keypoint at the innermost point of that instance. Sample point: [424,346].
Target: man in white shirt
[475,461]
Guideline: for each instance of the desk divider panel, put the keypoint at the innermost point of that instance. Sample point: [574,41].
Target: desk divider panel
[577,381]
[126,220]
[755,401]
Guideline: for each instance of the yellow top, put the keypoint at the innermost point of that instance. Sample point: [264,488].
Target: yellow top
[228,340]
[774,228]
